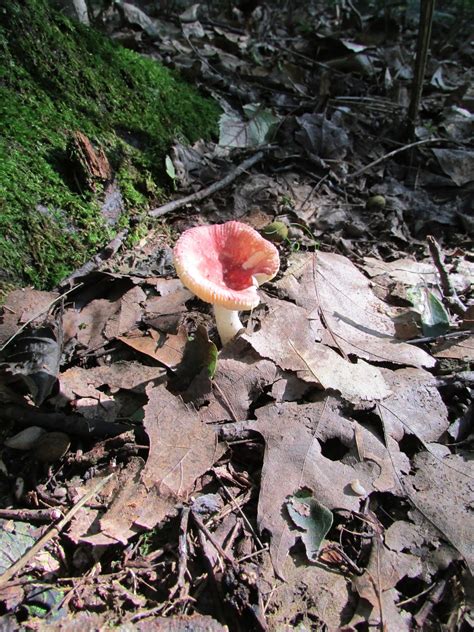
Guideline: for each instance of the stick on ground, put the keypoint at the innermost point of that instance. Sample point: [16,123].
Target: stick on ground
[56,530]
[210,190]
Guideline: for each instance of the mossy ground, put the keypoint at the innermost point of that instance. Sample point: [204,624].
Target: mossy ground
[57,77]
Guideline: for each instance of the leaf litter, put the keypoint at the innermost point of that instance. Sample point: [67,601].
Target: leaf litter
[305,474]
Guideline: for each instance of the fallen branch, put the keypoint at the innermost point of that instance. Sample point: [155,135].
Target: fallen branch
[43,541]
[210,190]
[31,515]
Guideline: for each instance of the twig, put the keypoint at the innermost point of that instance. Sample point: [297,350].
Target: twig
[202,527]
[31,515]
[449,293]
[183,554]
[107,252]
[454,334]
[54,531]
[433,599]
[233,500]
[210,190]
[393,153]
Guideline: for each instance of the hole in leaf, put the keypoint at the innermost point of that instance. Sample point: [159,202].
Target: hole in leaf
[334,449]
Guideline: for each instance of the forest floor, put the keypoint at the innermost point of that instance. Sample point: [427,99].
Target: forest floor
[316,472]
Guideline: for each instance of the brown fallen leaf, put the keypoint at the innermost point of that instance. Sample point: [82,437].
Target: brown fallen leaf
[461,349]
[130,376]
[293,460]
[166,348]
[415,405]
[240,378]
[288,335]
[357,321]
[442,490]
[19,307]
[164,312]
[101,320]
[311,591]
[376,586]
[182,448]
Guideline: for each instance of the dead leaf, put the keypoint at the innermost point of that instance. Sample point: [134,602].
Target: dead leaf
[442,490]
[356,320]
[293,460]
[281,322]
[406,271]
[287,336]
[180,444]
[240,378]
[458,164]
[130,376]
[455,349]
[310,591]
[102,320]
[164,312]
[415,405]
[167,349]
[20,306]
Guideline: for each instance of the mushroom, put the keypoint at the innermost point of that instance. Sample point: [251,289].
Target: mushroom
[224,264]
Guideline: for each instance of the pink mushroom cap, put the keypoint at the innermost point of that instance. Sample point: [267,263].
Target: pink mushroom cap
[223,264]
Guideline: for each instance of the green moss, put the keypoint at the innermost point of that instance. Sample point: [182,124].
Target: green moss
[57,77]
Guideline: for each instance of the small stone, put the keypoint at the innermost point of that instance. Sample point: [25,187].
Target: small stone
[25,439]
[276,231]
[51,447]
[376,203]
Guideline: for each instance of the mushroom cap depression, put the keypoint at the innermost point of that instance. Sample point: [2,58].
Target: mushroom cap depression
[223,264]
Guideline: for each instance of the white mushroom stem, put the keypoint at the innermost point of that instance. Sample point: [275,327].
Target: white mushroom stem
[228,323]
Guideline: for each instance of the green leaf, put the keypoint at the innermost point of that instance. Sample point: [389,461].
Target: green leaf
[434,317]
[170,170]
[313,518]
[212,354]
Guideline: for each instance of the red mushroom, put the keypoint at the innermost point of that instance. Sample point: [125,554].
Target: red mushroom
[224,264]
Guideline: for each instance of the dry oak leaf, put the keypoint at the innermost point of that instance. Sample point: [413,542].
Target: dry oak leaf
[442,490]
[288,335]
[373,465]
[126,375]
[20,306]
[182,448]
[164,312]
[455,349]
[313,591]
[102,320]
[165,348]
[240,378]
[358,322]
[293,460]
[415,405]
[377,589]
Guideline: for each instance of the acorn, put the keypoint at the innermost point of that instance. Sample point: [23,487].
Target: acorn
[376,203]
[276,231]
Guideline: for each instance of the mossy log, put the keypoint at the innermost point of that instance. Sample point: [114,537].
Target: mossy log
[63,81]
